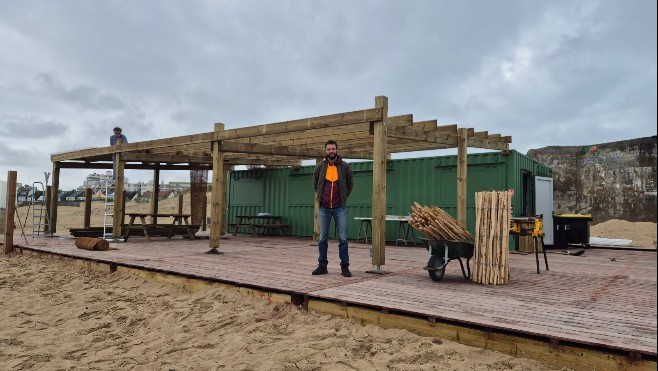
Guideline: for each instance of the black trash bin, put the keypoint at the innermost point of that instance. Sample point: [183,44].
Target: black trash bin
[571,229]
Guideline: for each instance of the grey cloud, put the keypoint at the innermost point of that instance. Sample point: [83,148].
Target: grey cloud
[30,127]
[17,158]
[84,96]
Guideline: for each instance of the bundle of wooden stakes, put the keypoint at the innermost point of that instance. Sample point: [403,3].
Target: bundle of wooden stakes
[492,224]
[437,224]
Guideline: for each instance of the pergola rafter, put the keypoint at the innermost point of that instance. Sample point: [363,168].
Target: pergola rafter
[363,134]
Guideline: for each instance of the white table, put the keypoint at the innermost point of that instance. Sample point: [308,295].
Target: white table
[404,229]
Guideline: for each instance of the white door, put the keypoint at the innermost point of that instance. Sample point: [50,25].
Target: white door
[544,205]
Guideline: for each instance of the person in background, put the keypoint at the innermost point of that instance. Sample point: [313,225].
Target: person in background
[117,134]
[333,183]
[113,142]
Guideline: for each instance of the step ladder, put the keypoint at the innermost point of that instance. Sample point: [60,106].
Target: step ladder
[108,213]
[40,217]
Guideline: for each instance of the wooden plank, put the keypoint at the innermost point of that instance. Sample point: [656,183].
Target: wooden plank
[557,356]
[611,320]
[379,185]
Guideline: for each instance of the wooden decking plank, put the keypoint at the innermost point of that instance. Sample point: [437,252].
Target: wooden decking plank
[605,298]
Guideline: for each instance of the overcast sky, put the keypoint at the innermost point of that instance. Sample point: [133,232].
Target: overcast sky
[545,72]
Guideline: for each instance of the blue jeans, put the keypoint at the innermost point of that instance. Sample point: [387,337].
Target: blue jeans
[324,219]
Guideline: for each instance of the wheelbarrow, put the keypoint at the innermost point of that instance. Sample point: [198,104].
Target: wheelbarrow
[442,252]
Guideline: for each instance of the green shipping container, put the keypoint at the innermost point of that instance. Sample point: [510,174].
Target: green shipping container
[428,181]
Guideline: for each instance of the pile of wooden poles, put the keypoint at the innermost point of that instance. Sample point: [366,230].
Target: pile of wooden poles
[436,224]
[492,224]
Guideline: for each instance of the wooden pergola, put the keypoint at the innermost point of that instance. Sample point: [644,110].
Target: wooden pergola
[363,134]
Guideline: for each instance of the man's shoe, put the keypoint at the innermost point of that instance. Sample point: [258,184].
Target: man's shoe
[345,271]
[321,269]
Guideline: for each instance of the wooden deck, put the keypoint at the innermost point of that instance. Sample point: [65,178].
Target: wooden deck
[604,299]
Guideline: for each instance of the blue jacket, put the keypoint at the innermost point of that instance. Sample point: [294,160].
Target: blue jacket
[113,140]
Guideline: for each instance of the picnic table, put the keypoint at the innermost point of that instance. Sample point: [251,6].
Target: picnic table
[163,229]
[259,224]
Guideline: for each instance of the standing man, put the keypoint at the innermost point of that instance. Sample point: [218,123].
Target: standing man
[113,142]
[332,181]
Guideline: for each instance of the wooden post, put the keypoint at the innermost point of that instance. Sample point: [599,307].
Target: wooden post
[87,221]
[462,161]
[46,200]
[11,210]
[155,193]
[180,206]
[222,225]
[54,198]
[316,212]
[123,206]
[379,187]
[205,213]
[118,192]
[216,206]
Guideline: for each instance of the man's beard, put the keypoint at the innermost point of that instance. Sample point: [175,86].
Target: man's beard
[332,156]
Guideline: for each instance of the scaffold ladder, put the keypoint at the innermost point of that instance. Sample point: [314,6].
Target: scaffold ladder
[40,217]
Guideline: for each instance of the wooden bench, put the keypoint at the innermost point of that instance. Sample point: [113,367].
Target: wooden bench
[161,230]
[264,227]
[259,229]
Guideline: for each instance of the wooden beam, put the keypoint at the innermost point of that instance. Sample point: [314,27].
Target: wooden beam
[447,129]
[316,210]
[319,122]
[316,137]
[237,147]
[462,161]
[54,199]
[148,157]
[155,195]
[87,217]
[118,192]
[46,199]
[223,217]
[379,186]
[133,166]
[266,162]
[216,195]
[400,121]
[9,226]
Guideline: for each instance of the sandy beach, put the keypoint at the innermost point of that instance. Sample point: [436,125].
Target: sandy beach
[60,316]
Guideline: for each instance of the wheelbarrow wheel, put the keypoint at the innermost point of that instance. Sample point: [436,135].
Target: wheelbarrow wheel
[435,262]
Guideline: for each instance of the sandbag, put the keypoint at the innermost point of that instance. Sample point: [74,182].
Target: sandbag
[89,243]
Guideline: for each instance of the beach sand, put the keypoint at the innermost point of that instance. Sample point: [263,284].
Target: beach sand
[61,316]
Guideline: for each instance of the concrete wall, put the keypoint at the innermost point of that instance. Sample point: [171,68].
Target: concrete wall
[610,181]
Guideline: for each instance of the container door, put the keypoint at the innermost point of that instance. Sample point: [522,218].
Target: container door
[544,205]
